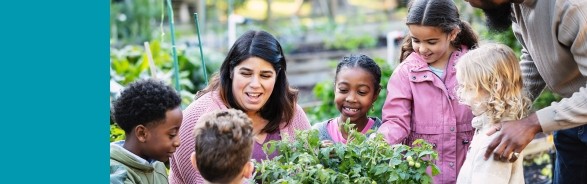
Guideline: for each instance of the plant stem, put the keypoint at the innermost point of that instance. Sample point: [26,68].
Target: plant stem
[172,29]
[201,52]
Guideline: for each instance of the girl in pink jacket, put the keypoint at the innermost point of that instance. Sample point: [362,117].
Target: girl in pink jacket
[421,101]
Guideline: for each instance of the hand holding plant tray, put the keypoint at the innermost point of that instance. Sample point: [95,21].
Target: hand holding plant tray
[361,160]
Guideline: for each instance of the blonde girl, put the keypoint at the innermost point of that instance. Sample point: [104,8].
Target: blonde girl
[490,82]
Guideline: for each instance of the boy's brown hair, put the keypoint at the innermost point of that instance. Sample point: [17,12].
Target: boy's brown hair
[223,144]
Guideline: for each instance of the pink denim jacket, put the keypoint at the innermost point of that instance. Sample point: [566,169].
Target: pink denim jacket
[420,105]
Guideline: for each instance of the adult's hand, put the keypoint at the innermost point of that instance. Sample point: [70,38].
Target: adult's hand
[514,137]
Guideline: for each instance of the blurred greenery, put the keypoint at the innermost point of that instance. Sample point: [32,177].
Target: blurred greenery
[132,21]
[130,63]
[350,42]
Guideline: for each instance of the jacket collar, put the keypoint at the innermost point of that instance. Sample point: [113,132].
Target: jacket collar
[120,154]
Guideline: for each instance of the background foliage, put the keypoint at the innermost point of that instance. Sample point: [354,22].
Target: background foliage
[130,63]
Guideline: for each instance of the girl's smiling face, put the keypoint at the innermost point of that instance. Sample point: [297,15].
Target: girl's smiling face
[354,93]
[432,44]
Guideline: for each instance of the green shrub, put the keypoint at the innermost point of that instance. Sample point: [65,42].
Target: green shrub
[361,160]
[116,134]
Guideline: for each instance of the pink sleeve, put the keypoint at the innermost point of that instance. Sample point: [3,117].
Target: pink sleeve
[181,169]
[396,112]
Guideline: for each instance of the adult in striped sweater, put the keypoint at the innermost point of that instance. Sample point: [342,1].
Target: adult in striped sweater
[554,55]
[251,79]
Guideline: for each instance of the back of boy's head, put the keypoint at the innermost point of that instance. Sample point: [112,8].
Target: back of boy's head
[144,102]
[223,144]
[442,14]
[363,62]
[494,68]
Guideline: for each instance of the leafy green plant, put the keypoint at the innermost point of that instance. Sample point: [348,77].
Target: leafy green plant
[116,134]
[361,160]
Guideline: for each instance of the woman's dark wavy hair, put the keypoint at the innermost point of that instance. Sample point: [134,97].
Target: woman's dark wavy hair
[438,13]
[281,105]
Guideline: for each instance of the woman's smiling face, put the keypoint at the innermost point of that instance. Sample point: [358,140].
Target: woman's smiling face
[253,81]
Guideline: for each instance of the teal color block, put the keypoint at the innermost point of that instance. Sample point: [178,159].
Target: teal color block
[55,91]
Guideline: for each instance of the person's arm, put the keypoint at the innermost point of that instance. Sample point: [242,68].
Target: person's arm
[569,112]
[533,82]
[397,109]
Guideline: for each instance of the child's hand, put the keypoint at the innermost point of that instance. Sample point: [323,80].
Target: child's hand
[326,143]
[372,136]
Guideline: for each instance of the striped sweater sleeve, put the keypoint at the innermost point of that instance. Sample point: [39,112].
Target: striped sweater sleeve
[181,169]
[572,111]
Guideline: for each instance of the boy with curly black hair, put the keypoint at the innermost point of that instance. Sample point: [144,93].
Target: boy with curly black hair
[223,146]
[149,113]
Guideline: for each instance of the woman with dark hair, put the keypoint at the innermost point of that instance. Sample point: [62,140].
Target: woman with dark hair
[252,79]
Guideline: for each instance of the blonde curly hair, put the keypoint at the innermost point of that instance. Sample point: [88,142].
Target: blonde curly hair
[493,72]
